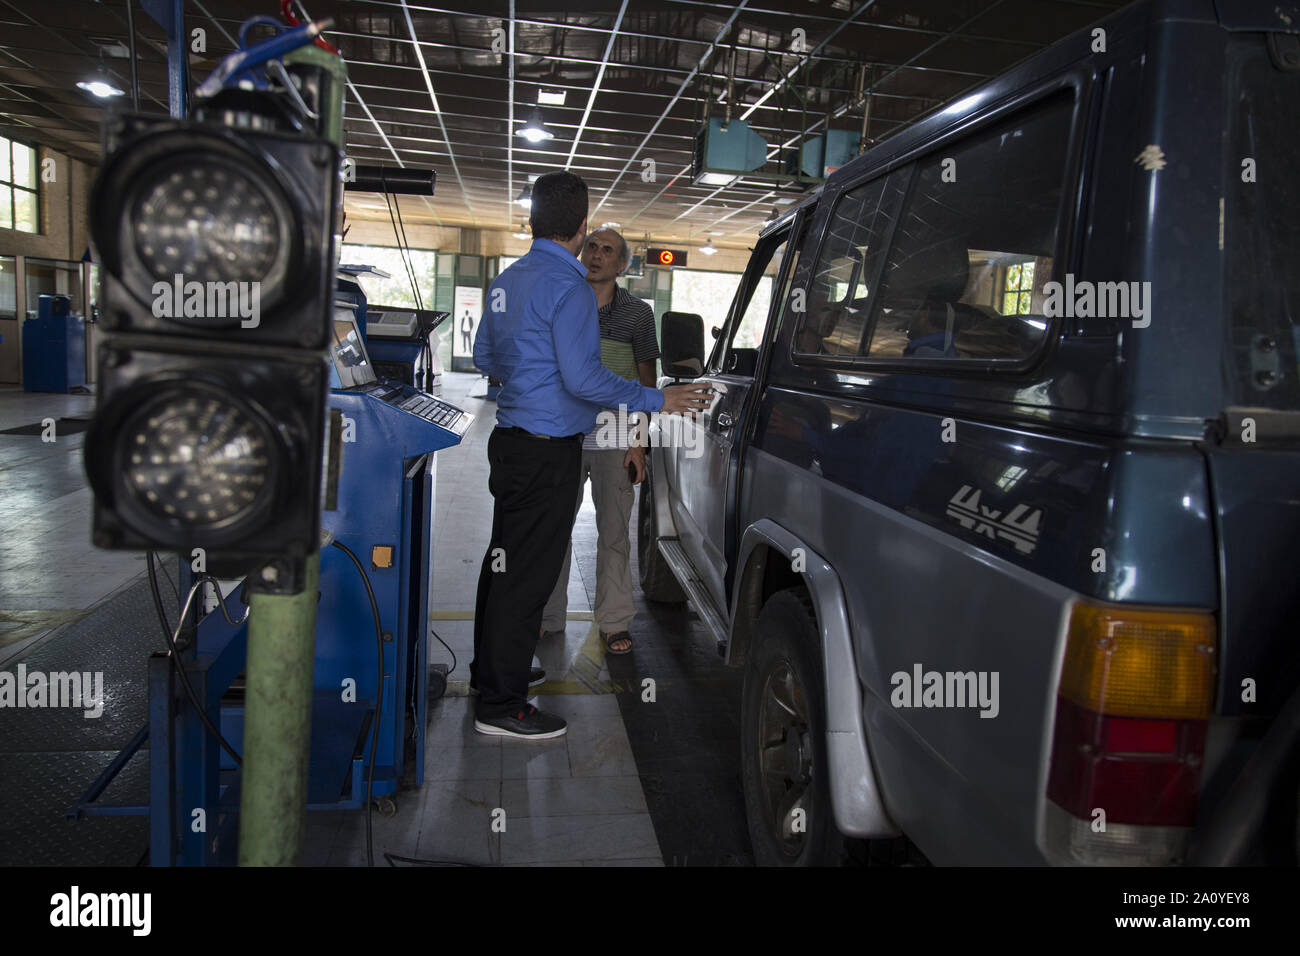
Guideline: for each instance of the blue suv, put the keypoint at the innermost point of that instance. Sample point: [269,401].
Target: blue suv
[998,505]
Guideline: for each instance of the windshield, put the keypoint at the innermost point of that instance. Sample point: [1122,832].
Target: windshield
[1262,229]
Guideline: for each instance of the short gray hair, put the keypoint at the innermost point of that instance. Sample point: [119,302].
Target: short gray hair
[625,253]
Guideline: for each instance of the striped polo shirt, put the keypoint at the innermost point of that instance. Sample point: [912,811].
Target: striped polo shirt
[627,336]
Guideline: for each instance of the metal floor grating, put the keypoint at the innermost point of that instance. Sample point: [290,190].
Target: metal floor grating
[49,756]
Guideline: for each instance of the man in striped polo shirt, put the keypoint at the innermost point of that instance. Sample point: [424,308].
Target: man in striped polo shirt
[628,347]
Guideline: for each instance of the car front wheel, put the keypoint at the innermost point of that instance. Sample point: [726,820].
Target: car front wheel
[783,740]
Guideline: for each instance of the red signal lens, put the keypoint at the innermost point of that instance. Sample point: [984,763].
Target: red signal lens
[666,257]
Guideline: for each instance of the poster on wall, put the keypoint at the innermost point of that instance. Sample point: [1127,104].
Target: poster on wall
[466,316]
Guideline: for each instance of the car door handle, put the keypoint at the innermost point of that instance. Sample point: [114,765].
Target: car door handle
[725,420]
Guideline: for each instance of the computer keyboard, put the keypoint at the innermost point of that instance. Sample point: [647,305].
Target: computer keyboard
[432,410]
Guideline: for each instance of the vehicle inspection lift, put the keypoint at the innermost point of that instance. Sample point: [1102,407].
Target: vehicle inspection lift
[367,735]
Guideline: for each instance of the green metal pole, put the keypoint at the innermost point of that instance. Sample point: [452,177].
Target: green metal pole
[277,723]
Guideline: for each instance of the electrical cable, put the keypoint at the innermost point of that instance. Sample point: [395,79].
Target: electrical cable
[402,252]
[419,299]
[379,698]
[174,656]
[374,738]
[403,249]
[260,20]
[162,568]
[449,650]
[383,181]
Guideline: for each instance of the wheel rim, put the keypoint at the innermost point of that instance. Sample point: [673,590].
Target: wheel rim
[785,757]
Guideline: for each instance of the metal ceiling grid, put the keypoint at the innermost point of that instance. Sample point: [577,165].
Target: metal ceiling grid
[433,85]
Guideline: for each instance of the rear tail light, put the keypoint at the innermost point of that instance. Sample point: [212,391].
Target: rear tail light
[1136,693]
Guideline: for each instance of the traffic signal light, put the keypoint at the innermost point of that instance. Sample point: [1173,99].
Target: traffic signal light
[216,243]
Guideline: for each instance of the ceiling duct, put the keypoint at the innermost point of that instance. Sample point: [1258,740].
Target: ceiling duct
[723,154]
[724,148]
[819,156]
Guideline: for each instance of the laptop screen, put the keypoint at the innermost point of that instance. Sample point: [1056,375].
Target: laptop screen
[348,350]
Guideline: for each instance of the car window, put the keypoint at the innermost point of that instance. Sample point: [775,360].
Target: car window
[973,250]
[970,246]
[838,297]
[744,337]
[794,252]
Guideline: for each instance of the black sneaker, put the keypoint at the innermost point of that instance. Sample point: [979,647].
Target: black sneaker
[527,724]
[536,676]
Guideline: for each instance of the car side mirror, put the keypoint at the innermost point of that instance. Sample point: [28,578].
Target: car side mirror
[683,344]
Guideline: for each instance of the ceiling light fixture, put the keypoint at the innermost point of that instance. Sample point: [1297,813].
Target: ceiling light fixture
[551,97]
[534,130]
[100,86]
[715,179]
[708,248]
[523,232]
[525,198]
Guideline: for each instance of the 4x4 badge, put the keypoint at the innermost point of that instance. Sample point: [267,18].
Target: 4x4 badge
[1019,526]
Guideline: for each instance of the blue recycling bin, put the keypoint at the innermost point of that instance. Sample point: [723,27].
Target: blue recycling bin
[54,347]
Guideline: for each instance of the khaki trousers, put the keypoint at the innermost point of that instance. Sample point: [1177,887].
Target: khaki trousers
[613,496]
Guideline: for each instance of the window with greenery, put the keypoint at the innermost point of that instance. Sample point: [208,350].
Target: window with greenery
[1017,289]
[20,206]
[397,289]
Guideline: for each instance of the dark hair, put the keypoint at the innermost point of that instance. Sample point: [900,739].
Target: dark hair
[559,206]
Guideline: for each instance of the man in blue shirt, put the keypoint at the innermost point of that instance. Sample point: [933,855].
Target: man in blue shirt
[541,339]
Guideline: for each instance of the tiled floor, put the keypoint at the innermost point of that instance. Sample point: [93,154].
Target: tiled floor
[578,800]
[572,801]
[49,573]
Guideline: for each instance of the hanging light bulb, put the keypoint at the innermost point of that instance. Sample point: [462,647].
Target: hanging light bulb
[523,232]
[534,130]
[101,85]
[708,248]
[525,197]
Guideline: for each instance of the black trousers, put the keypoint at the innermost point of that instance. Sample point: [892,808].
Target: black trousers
[534,482]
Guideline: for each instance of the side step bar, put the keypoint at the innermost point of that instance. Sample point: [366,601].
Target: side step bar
[685,574]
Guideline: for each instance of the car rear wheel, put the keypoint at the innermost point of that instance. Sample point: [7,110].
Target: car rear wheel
[657,580]
[783,740]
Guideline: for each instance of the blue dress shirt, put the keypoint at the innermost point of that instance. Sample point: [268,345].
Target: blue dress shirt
[541,339]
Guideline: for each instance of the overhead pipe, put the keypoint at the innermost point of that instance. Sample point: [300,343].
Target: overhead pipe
[731,86]
[130,46]
[865,98]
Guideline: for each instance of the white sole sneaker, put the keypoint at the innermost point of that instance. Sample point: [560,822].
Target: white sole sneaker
[493,731]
